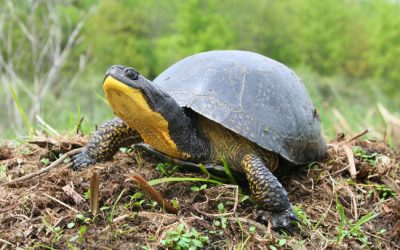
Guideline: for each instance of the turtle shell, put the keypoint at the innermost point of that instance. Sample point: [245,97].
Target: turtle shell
[251,95]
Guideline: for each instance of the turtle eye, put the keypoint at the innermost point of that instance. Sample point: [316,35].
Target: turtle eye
[131,73]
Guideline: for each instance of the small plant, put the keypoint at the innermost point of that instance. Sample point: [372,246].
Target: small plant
[175,203]
[167,168]
[86,195]
[244,198]
[385,192]
[67,160]
[350,230]
[221,222]
[198,189]
[371,159]
[136,200]
[281,244]
[250,233]
[57,231]
[302,215]
[83,218]
[125,150]
[221,207]
[181,239]
[45,161]
[80,236]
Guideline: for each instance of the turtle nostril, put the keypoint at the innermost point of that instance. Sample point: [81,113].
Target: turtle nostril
[131,73]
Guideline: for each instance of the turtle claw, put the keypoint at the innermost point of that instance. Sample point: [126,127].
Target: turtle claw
[281,221]
[81,160]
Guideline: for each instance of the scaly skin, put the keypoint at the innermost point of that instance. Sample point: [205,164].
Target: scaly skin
[105,143]
[268,192]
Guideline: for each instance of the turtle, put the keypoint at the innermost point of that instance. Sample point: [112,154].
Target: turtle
[225,105]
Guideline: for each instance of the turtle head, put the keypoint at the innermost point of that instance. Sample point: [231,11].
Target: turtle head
[143,106]
[126,80]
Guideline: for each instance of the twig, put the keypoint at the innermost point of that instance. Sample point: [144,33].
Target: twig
[6,242]
[154,194]
[43,170]
[94,193]
[356,136]
[62,203]
[70,191]
[350,158]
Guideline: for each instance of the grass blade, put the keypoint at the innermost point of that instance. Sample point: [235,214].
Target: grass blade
[178,179]
[21,110]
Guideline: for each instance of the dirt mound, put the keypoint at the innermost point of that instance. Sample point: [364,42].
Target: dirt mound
[350,200]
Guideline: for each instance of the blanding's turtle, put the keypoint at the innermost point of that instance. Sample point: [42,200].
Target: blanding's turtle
[233,106]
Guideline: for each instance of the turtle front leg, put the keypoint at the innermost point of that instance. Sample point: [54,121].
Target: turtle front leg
[268,192]
[105,143]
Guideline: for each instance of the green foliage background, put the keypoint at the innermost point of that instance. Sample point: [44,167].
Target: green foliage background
[346,51]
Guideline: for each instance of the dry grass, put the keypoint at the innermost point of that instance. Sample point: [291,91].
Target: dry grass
[331,199]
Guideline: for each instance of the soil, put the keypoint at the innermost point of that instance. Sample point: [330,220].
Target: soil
[52,211]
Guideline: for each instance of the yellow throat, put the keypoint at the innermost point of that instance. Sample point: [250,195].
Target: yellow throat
[131,105]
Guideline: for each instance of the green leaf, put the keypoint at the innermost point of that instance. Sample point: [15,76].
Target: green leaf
[221,207]
[282,242]
[80,216]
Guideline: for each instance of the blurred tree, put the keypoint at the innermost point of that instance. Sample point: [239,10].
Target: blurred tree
[122,32]
[36,42]
[198,25]
[384,52]
[321,33]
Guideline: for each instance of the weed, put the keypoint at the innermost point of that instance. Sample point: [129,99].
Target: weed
[302,215]
[179,179]
[252,230]
[349,230]
[167,169]
[135,200]
[244,198]
[45,161]
[181,239]
[80,236]
[221,207]
[175,203]
[83,218]
[228,173]
[385,192]
[371,159]
[198,189]
[57,231]
[281,243]
[111,216]
[21,110]
[125,150]
[221,222]
[86,195]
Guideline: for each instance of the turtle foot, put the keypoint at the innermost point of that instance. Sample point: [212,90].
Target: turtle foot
[281,220]
[81,160]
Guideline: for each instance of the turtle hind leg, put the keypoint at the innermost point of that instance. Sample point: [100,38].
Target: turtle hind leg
[105,143]
[268,192]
